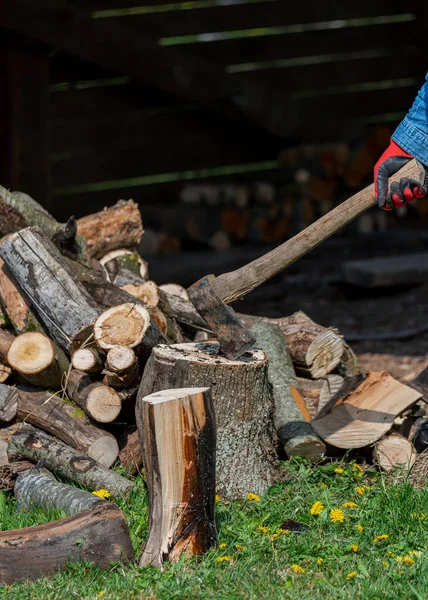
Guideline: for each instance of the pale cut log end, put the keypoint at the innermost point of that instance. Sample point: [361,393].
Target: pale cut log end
[160,319]
[104,450]
[175,289]
[88,360]
[174,394]
[31,353]
[121,359]
[394,451]
[310,447]
[147,292]
[103,404]
[123,325]
[324,353]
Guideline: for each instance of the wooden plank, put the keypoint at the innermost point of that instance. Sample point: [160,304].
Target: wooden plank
[407,269]
[24,115]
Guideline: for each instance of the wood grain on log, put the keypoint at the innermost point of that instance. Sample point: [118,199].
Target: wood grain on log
[121,368]
[147,292]
[130,455]
[5,372]
[117,260]
[8,403]
[34,444]
[98,401]
[179,440]
[99,535]
[88,360]
[243,403]
[117,226]
[394,450]
[67,422]
[5,434]
[295,433]
[61,301]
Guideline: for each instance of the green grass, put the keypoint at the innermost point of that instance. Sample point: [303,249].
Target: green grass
[261,558]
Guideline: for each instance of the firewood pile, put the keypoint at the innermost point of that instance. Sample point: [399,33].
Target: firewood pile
[102,371]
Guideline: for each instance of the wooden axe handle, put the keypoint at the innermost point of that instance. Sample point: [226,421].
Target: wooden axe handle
[236,284]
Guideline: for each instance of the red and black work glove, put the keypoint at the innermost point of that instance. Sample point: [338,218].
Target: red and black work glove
[399,193]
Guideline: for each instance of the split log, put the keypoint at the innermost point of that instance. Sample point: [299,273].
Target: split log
[123,259]
[130,455]
[33,355]
[8,403]
[349,365]
[294,432]
[315,350]
[179,441]
[39,488]
[243,403]
[117,226]
[88,360]
[366,413]
[34,444]
[393,451]
[121,367]
[98,401]
[99,535]
[62,302]
[67,422]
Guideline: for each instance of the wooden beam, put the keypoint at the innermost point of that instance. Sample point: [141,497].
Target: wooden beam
[24,123]
[124,50]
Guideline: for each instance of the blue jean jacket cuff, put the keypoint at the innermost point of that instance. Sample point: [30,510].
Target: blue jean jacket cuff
[412,140]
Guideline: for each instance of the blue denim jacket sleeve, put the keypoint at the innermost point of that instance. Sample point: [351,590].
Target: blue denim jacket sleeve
[412,133]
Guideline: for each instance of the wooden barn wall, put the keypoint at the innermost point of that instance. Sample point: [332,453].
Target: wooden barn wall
[111,138]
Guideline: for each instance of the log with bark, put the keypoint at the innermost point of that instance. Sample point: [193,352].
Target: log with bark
[130,455]
[5,435]
[61,301]
[67,422]
[8,403]
[88,360]
[36,445]
[5,372]
[394,450]
[99,401]
[315,350]
[117,226]
[99,535]
[294,432]
[123,259]
[179,441]
[121,367]
[243,403]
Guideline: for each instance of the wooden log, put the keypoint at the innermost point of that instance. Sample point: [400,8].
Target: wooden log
[33,355]
[243,403]
[6,339]
[121,369]
[8,403]
[181,309]
[99,535]
[4,319]
[5,434]
[67,422]
[174,289]
[311,391]
[5,372]
[34,444]
[98,401]
[130,455]
[294,432]
[117,226]
[62,302]
[394,450]
[179,444]
[39,488]
[147,292]
[88,360]
[315,350]
[117,260]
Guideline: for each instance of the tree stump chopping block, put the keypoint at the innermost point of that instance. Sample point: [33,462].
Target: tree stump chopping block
[246,439]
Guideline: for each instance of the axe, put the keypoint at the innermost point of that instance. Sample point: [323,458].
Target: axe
[210,295]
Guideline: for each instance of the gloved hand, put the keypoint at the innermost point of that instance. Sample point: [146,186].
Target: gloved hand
[402,192]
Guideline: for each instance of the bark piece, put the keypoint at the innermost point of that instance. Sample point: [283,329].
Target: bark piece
[8,403]
[123,259]
[34,444]
[394,450]
[130,455]
[33,355]
[62,302]
[295,433]
[67,422]
[99,535]
[38,487]
[243,403]
[98,401]
[366,413]
[315,350]
[117,226]
[179,441]
[121,367]
[88,360]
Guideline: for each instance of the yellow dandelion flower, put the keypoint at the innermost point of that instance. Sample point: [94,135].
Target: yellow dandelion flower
[422,517]
[368,487]
[317,508]
[239,547]
[360,490]
[408,560]
[351,575]
[358,468]
[320,561]
[102,493]
[350,505]
[399,559]
[337,515]
[379,538]
[224,559]
[100,594]
[339,470]
[217,498]
[222,545]
[385,563]
[355,547]
[263,529]
[415,552]
[254,497]
[273,536]
[297,569]
[390,554]
[283,531]
[360,527]
[323,485]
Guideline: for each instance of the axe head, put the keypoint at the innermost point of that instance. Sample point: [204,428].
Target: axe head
[233,337]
